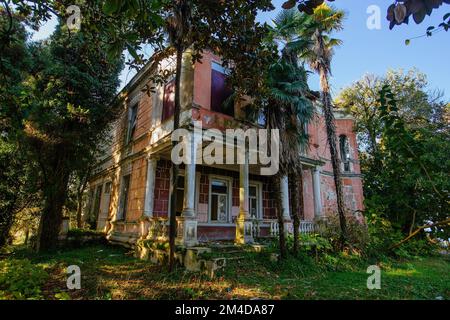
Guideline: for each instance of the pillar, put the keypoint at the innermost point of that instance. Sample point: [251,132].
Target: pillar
[243,221]
[284,188]
[317,193]
[149,196]
[150,186]
[187,223]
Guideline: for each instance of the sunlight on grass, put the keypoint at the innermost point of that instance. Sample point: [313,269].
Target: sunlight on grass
[402,272]
[110,273]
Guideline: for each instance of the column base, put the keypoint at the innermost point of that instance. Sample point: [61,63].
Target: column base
[320,223]
[320,219]
[243,231]
[288,227]
[186,231]
[144,226]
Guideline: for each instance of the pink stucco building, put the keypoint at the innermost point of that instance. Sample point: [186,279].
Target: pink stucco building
[129,190]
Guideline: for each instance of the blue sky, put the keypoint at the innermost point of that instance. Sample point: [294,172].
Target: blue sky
[371,51]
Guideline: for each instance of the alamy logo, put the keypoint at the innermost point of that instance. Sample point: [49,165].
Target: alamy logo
[374,19]
[374,280]
[74,279]
[235,146]
[74,20]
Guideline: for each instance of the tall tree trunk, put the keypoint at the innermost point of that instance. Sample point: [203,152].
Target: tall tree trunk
[6,222]
[297,203]
[55,194]
[293,187]
[27,235]
[334,154]
[79,210]
[83,182]
[279,207]
[173,185]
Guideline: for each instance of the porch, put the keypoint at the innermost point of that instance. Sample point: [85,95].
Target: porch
[220,201]
[156,229]
[208,256]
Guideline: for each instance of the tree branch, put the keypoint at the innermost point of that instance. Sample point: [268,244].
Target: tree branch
[440,223]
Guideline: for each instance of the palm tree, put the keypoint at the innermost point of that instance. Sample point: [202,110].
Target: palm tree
[290,111]
[323,22]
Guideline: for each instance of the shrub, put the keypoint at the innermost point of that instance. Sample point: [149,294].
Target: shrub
[314,242]
[20,279]
[357,235]
[415,248]
[383,235]
[80,237]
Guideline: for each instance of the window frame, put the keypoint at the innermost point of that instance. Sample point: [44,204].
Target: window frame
[344,151]
[196,191]
[229,194]
[123,198]
[163,117]
[132,124]
[259,199]
[217,67]
[107,184]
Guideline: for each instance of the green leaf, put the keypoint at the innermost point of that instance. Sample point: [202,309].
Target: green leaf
[407,42]
[419,16]
[289,4]
[133,52]
[111,6]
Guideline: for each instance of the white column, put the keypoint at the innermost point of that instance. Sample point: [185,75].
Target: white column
[189,182]
[284,188]
[243,188]
[243,221]
[317,193]
[187,223]
[150,186]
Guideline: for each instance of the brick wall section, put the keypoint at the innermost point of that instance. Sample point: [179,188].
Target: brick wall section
[144,114]
[136,196]
[207,233]
[203,189]
[353,194]
[269,207]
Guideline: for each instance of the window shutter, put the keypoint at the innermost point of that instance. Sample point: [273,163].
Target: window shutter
[168,101]
[220,91]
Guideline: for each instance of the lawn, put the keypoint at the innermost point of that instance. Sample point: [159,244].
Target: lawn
[112,273]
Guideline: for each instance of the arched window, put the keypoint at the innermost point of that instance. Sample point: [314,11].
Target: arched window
[344,148]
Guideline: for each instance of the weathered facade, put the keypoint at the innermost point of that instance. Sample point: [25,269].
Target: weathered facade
[130,188]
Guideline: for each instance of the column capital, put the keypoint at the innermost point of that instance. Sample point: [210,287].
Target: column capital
[152,157]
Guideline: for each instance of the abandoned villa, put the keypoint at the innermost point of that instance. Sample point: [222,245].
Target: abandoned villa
[129,195]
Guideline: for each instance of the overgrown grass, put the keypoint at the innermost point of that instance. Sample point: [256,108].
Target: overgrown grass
[112,273]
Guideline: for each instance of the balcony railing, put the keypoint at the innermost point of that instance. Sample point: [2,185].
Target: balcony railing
[305,227]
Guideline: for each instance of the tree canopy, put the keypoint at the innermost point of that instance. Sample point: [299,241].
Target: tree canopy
[399,12]
[404,139]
